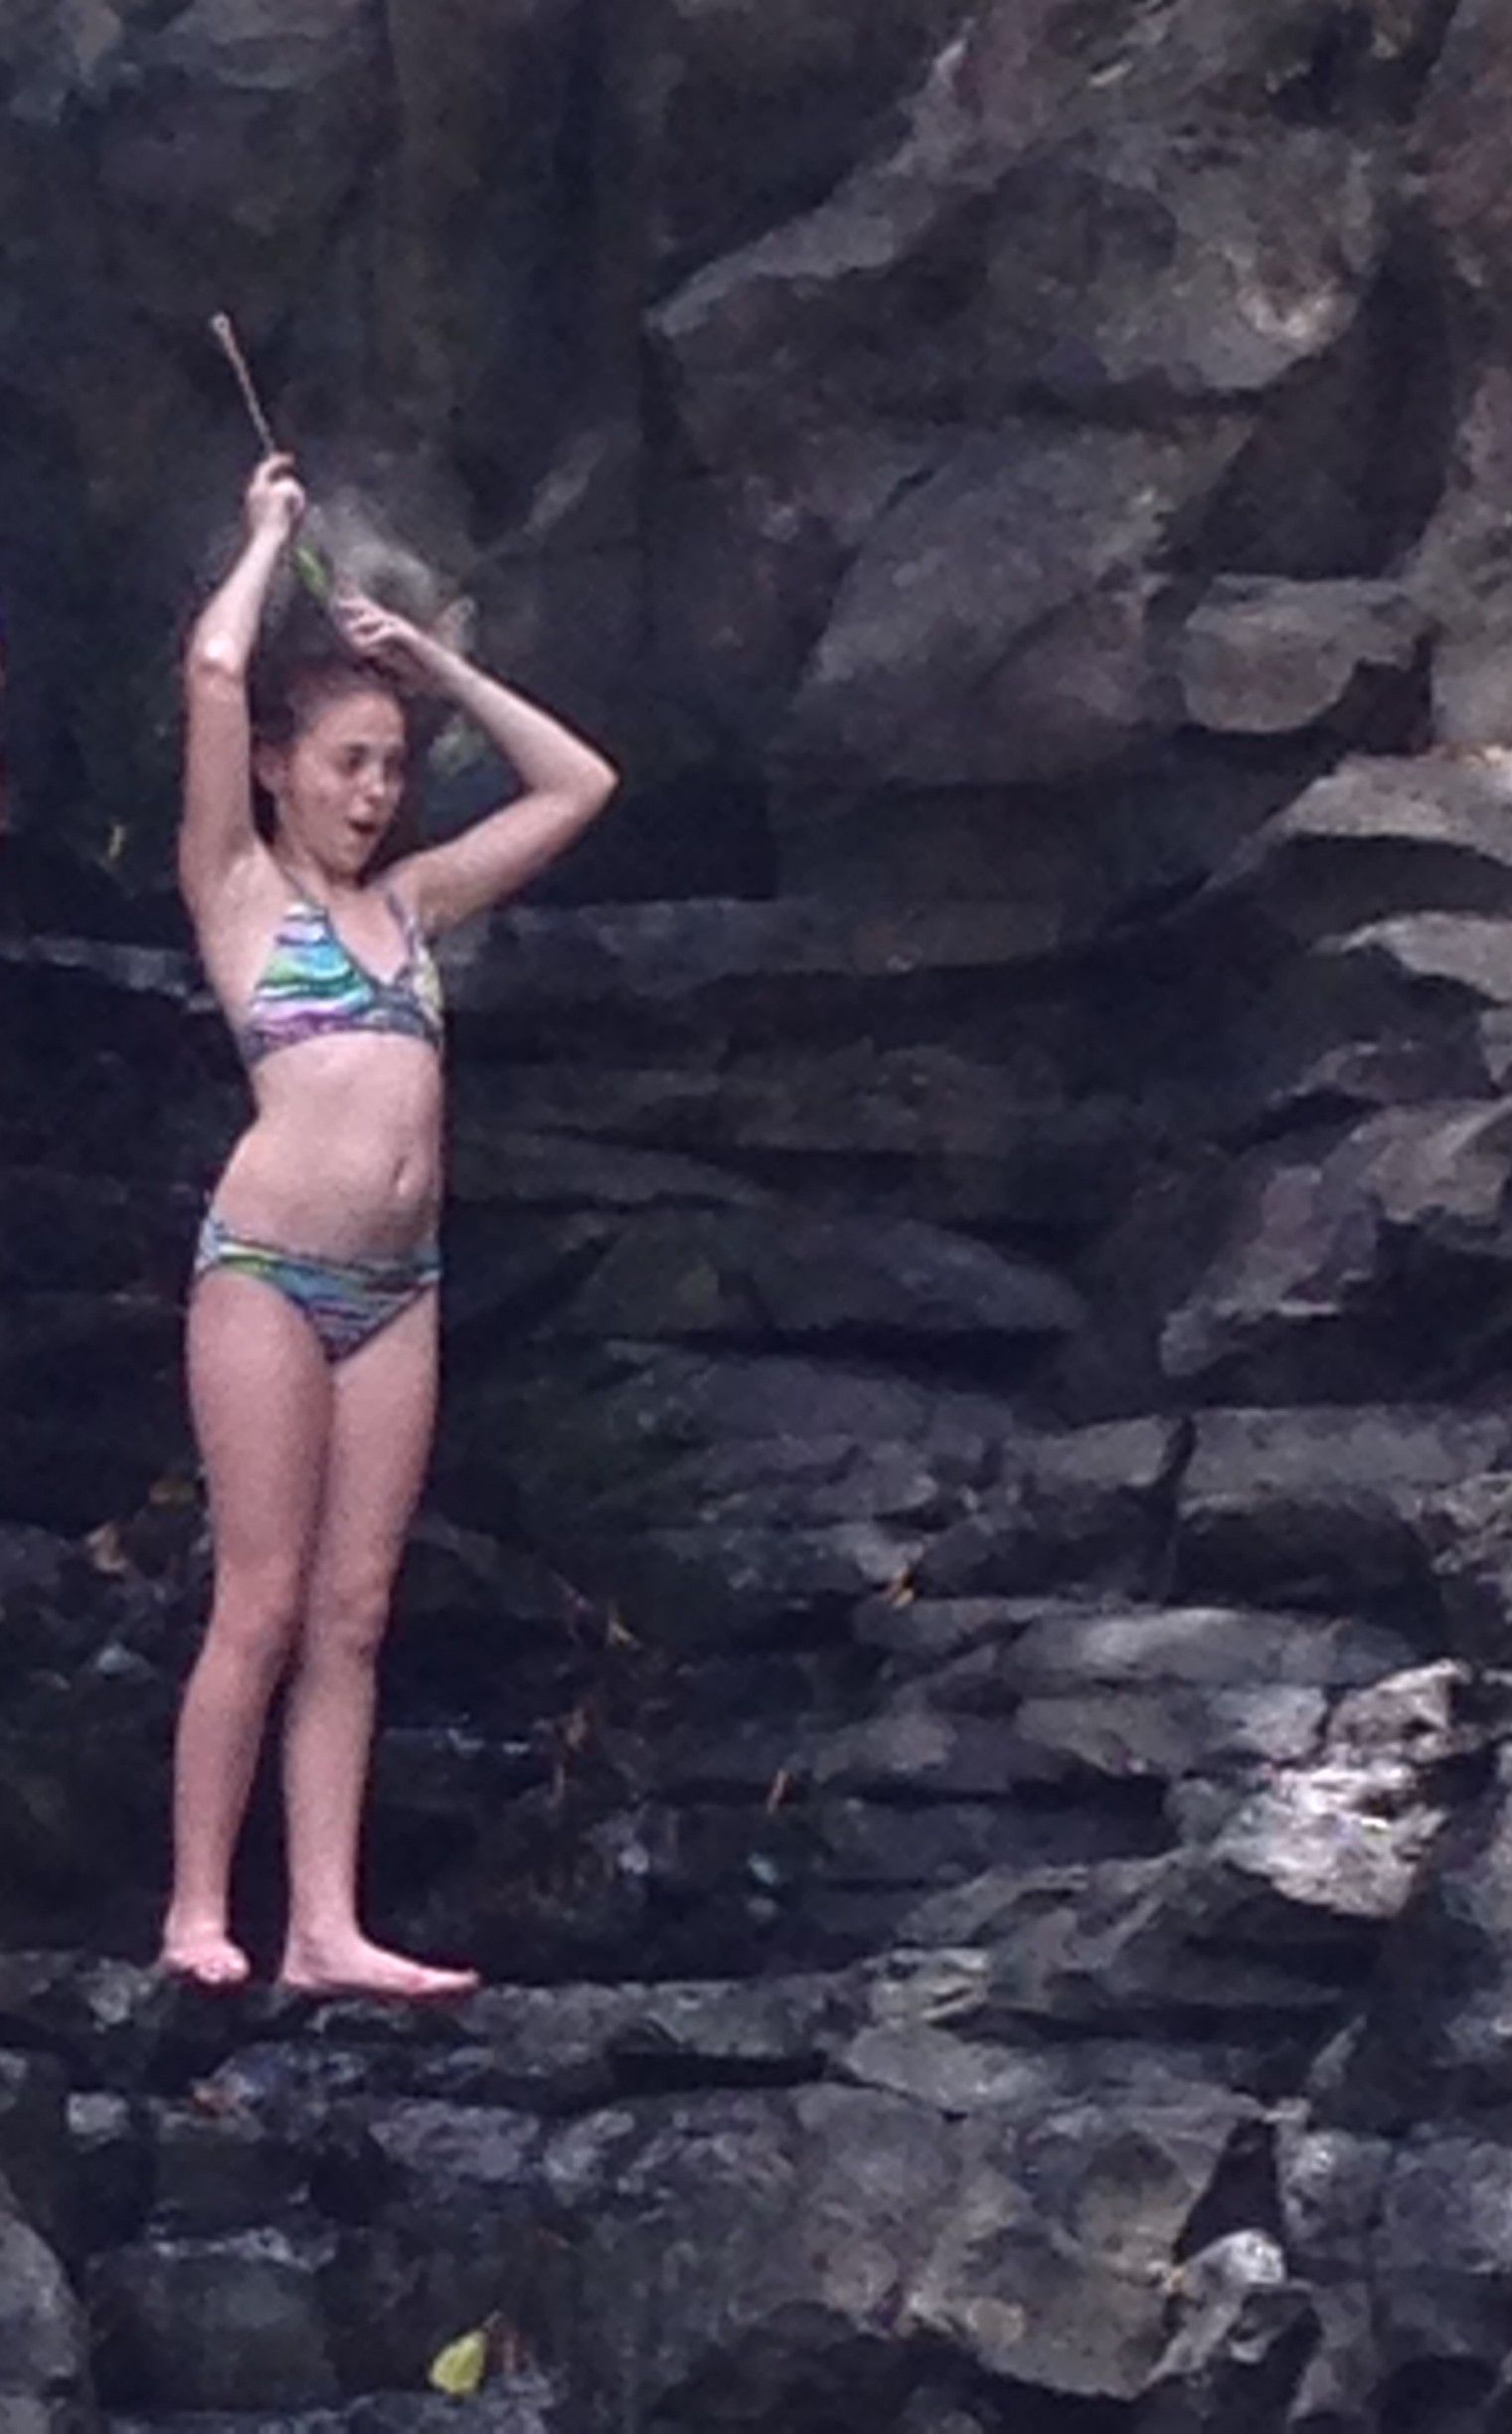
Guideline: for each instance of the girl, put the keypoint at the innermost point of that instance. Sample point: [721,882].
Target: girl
[312,1323]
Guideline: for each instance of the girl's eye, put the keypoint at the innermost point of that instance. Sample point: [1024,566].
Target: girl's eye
[353,758]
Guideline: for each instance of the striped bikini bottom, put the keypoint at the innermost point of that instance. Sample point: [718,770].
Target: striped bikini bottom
[346,1300]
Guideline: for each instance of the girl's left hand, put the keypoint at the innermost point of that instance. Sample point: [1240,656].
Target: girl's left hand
[383,635]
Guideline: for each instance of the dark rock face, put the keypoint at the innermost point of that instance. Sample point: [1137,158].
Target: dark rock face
[847,411]
[45,2377]
[953,1672]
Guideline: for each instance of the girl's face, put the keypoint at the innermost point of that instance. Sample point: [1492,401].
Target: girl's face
[338,786]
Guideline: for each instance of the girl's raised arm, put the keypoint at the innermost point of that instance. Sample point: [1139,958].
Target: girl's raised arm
[217,835]
[566,781]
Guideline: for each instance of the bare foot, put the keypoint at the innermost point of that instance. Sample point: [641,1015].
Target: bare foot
[205,1956]
[362,1969]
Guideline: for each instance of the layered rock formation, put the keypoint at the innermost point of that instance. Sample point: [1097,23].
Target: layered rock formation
[954,1671]
[953,1674]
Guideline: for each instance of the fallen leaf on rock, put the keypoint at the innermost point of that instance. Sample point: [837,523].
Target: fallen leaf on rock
[460,2368]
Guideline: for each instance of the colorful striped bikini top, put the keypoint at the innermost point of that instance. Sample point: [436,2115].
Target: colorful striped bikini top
[312,985]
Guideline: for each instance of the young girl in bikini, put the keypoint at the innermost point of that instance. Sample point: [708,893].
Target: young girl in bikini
[312,1323]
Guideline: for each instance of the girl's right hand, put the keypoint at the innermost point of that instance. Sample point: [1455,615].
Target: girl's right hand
[274,499]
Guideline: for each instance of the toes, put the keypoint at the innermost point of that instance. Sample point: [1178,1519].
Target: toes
[445,1981]
[216,1964]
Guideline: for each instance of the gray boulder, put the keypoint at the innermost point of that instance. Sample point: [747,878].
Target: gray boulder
[993,627]
[46,2386]
[1259,657]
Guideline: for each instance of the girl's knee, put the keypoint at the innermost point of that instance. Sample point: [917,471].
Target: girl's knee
[257,1613]
[347,1619]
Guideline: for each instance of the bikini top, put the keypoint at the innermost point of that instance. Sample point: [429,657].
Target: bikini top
[312,986]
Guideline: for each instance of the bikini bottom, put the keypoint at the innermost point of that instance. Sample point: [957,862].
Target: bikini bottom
[346,1300]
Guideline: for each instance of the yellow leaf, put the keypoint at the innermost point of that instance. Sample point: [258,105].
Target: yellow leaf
[460,2368]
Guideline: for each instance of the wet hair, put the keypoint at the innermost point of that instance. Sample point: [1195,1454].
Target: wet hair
[301,665]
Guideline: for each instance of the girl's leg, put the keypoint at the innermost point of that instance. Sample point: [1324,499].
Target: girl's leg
[261,1394]
[383,1415]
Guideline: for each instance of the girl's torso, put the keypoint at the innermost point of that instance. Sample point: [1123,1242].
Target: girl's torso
[337,1012]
